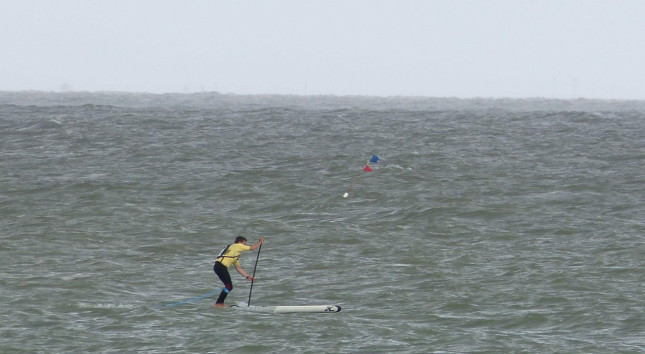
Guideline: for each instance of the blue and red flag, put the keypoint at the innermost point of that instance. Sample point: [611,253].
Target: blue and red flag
[367,168]
[373,159]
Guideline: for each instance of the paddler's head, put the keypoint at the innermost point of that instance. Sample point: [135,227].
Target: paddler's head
[240,239]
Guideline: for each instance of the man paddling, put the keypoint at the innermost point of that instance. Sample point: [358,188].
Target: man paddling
[230,255]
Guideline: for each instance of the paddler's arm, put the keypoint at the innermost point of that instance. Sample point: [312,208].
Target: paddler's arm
[242,272]
[252,247]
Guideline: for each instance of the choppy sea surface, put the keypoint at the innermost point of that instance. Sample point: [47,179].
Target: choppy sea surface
[486,226]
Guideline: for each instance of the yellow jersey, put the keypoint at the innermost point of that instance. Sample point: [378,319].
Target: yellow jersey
[231,254]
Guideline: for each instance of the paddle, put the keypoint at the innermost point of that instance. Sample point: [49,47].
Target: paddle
[253,281]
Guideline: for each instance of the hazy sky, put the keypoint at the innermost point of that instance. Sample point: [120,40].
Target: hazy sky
[439,48]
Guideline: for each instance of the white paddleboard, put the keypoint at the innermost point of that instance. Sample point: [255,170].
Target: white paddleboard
[288,309]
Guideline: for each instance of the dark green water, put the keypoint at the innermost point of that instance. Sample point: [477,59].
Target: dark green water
[487,225]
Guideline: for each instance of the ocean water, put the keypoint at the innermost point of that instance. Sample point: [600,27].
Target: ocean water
[487,225]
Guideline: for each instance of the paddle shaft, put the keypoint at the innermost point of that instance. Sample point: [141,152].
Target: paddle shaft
[254,268]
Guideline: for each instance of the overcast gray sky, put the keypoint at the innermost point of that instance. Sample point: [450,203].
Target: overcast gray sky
[438,48]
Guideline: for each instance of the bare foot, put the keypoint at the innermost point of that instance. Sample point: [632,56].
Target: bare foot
[220,305]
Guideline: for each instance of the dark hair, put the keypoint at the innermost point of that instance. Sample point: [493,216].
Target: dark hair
[240,239]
